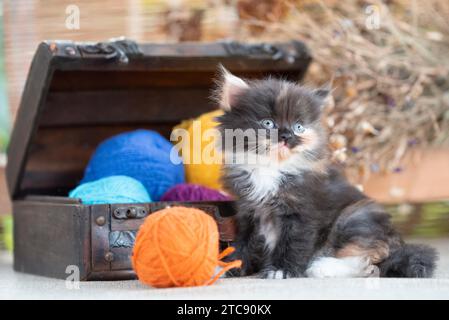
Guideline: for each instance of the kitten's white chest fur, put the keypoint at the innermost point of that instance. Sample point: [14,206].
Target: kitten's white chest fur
[264,182]
[266,178]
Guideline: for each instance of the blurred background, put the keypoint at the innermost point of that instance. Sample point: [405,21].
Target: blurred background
[388,59]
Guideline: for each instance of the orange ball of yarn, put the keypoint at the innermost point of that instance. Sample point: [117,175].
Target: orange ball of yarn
[179,246]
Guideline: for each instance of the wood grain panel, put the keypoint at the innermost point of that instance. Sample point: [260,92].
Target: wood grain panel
[143,106]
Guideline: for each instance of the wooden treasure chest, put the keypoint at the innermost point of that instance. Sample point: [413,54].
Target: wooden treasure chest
[77,95]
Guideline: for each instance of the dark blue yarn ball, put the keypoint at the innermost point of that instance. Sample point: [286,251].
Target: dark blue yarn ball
[143,155]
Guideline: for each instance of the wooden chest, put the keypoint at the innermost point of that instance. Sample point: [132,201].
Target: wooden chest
[77,95]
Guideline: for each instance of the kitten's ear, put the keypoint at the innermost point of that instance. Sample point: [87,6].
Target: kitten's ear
[229,88]
[324,95]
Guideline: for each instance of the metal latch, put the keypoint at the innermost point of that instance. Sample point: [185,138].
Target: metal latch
[133,212]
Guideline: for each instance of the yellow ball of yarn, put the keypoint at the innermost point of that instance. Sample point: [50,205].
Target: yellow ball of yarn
[206,174]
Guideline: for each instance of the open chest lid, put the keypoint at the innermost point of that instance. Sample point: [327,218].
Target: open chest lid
[78,94]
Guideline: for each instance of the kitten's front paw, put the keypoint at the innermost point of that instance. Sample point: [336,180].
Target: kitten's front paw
[277,274]
[329,267]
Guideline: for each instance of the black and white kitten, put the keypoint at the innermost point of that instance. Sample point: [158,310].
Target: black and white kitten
[297,214]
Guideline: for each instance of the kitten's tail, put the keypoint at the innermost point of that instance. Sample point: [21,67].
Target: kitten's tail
[410,261]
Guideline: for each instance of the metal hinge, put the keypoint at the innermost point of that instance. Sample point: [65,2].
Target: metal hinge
[275,52]
[116,49]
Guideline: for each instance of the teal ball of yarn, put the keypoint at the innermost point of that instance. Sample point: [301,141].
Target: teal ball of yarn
[113,189]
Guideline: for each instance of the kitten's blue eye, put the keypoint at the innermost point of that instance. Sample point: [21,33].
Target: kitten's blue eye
[267,123]
[298,128]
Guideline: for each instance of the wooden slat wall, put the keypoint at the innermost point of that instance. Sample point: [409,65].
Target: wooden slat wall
[28,22]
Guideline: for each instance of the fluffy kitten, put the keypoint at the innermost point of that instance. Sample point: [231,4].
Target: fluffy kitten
[297,214]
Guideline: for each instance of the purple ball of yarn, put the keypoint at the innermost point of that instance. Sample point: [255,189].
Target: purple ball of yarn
[193,192]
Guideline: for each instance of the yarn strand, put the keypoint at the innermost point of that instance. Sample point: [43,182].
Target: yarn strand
[226,265]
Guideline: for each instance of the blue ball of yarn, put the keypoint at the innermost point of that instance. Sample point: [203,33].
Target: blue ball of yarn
[143,155]
[113,189]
